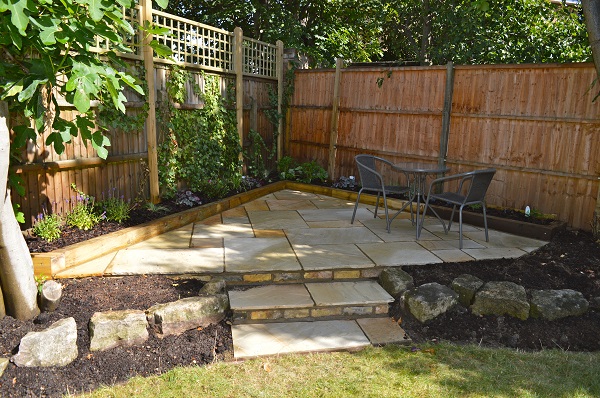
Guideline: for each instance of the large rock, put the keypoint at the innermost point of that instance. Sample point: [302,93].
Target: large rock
[117,328]
[429,300]
[187,313]
[395,281]
[501,298]
[466,286]
[556,304]
[213,287]
[55,346]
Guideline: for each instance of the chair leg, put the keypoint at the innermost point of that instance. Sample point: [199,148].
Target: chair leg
[460,238]
[387,217]
[422,218]
[356,206]
[451,217]
[487,239]
[376,205]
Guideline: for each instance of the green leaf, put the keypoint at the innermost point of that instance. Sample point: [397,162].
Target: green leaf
[28,92]
[99,142]
[22,134]
[85,126]
[19,14]
[14,89]
[16,182]
[55,139]
[162,3]
[160,49]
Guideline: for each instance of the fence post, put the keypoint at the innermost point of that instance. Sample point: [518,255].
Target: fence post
[280,77]
[151,119]
[335,116]
[238,68]
[444,136]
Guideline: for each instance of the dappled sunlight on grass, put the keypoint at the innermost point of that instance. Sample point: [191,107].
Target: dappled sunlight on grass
[426,371]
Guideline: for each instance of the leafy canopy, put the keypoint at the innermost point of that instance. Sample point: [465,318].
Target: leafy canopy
[46,53]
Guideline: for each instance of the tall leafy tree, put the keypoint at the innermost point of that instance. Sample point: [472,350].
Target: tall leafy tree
[46,52]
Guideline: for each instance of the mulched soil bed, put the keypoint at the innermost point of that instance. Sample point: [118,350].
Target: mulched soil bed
[571,260]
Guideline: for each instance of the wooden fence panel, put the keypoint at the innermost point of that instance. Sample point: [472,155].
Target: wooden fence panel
[536,124]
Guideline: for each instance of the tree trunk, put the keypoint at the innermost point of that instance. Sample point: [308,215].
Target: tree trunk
[16,267]
[424,58]
[591,11]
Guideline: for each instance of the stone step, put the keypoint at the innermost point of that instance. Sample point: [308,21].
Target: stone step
[309,302]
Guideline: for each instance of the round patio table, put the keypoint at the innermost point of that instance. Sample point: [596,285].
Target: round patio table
[417,172]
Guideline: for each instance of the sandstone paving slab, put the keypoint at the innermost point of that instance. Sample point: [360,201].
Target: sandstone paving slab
[260,255]
[257,205]
[282,219]
[253,340]
[293,194]
[270,297]
[382,331]
[222,231]
[335,214]
[401,230]
[398,253]
[501,239]
[290,204]
[212,220]
[334,224]
[325,202]
[206,242]
[236,220]
[329,236]
[348,293]
[495,252]
[96,267]
[320,257]
[167,261]
[452,256]
[434,245]
[176,239]
[238,211]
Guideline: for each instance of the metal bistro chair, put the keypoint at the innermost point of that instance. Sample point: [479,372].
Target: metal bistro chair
[369,169]
[472,188]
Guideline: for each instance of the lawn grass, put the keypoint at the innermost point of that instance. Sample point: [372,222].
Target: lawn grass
[442,370]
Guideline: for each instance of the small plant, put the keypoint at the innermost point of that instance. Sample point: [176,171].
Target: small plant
[47,227]
[187,198]
[114,209]
[288,168]
[39,281]
[312,171]
[156,208]
[249,183]
[345,182]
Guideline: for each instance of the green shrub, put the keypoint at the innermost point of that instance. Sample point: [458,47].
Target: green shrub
[48,227]
[114,209]
[82,215]
[312,171]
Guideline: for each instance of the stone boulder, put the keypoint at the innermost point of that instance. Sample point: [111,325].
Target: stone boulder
[501,298]
[429,300]
[556,304]
[213,287]
[188,313]
[117,328]
[395,281]
[466,286]
[55,346]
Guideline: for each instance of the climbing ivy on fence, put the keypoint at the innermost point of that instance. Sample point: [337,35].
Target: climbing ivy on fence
[198,147]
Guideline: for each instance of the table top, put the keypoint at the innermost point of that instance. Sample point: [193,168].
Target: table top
[418,167]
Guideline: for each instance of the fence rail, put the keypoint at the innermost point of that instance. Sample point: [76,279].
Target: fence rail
[537,124]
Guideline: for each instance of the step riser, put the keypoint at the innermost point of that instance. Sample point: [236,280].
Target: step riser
[257,279]
[310,314]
